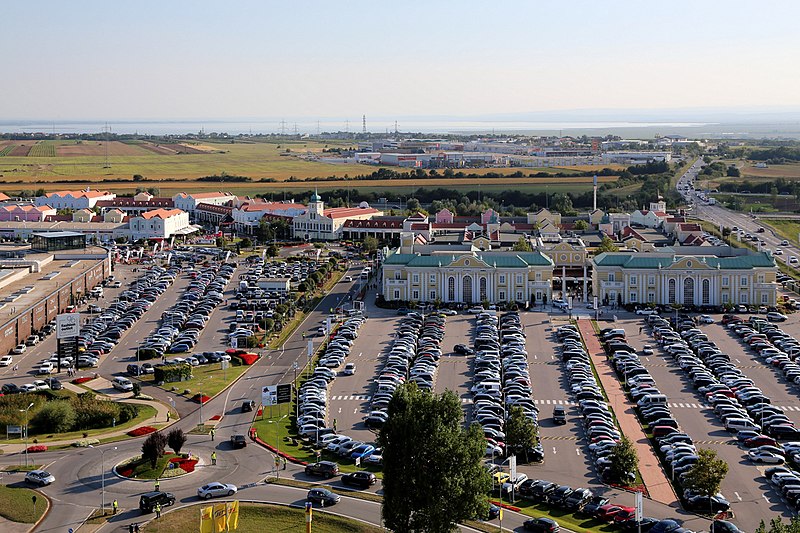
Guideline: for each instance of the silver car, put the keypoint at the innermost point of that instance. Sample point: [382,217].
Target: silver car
[216,489]
[40,477]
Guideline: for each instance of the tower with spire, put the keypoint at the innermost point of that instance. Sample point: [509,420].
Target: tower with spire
[316,205]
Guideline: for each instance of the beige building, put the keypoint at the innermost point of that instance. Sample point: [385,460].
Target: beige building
[318,223]
[467,276]
[570,263]
[689,275]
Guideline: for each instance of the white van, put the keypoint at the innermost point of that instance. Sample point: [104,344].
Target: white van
[122,384]
[652,399]
[740,424]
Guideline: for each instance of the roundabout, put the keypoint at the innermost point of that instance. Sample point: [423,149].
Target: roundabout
[169,466]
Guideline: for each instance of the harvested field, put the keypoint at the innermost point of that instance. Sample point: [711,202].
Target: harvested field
[788,171]
[160,149]
[21,150]
[201,147]
[96,148]
[183,149]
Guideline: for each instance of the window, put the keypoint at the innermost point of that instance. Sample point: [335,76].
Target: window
[433,295]
[743,298]
[744,281]
[502,296]
[633,297]
[396,294]
[482,289]
[688,291]
[724,281]
[451,289]
[651,297]
[433,278]
[651,280]
[415,295]
[502,278]
[706,292]
[761,278]
[415,278]
[724,297]
[538,276]
[519,296]
[612,276]
[633,280]
[764,298]
[396,274]
[671,298]
[519,279]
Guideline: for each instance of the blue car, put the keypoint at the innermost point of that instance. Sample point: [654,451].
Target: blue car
[360,452]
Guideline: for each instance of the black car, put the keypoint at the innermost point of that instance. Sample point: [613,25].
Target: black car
[148,500]
[577,499]
[723,526]
[134,370]
[462,349]
[54,383]
[360,479]
[702,504]
[591,507]
[323,497]
[238,441]
[559,414]
[322,468]
[646,524]
[558,496]
[542,489]
[248,405]
[10,388]
[541,525]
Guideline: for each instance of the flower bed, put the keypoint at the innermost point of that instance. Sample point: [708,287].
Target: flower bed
[246,358]
[185,464]
[37,448]
[143,430]
[216,417]
[84,379]
[200,398]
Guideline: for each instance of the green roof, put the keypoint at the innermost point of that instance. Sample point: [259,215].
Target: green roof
[493,259]
[646,260]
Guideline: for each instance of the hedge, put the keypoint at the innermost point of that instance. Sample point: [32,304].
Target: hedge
[172,372]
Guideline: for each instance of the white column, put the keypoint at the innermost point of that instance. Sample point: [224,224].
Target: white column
[563,282]
[585,291]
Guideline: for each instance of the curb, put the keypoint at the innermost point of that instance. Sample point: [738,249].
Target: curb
[274,450]
[45,514]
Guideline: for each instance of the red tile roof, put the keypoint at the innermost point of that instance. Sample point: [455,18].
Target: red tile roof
[345,212]
[161,213]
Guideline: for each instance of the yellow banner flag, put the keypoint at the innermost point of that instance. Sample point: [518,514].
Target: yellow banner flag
[233,515]
[207,519]
[220,517]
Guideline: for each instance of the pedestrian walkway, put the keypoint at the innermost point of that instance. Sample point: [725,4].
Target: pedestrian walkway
[653,476]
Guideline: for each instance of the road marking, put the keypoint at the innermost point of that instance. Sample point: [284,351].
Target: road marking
[765,498]
[738,361]
[737,496]
[554,450]
[536,356]
[359,353]
[355,411]
[577,451]
[340,409]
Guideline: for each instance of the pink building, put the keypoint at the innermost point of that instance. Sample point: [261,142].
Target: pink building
[25,213]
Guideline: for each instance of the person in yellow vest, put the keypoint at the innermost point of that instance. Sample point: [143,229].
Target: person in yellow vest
[212,433]
[157,509]
[115,506]
[158,485]
[213,458]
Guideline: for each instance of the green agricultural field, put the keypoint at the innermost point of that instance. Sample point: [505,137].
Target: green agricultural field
[43,149]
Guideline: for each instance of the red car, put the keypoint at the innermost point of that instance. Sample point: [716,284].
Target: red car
[627,513]
[761,440]
[608,512]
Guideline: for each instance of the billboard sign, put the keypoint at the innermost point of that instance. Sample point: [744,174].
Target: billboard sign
[68,325]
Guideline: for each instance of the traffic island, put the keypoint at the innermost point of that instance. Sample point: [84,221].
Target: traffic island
[21,507]
[168,466]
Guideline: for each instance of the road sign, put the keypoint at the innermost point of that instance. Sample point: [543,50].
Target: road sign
[639,513]
[269,395]
[310,348]
[284,393]
[512,466]
[68,325]
[234,342]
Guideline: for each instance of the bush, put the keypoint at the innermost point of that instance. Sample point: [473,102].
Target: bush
[83,443]
[137,389]
[37,449]
[55,417]
[92,413]
[173,372]
[128,411]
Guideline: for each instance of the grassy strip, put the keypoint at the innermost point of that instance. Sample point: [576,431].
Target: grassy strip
[257,518]
[207,379]
[362,495]
[145,412]
[16,504]
[19,468]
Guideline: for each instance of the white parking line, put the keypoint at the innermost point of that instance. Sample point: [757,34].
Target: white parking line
[577,451]
[554,450]
[737,496]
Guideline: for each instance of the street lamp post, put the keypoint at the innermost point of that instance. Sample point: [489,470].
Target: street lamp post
[103,475]
[26,432]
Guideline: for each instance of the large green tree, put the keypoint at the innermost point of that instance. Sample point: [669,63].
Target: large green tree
[433,474]
[370,244]
[707,473]
[522,245]
[522,433]
[623,460]
[776,525]
[607,245]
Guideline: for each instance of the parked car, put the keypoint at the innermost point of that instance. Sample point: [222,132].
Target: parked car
[541,525]
[326,469]
[148,500]
[360,479]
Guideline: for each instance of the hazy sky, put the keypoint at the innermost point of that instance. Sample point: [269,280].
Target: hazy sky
[200,59]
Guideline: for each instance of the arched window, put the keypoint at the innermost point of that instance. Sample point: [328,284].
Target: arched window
[483,289]
[451,289]
[706,292]
[467,282]
[688,291]
[672,291]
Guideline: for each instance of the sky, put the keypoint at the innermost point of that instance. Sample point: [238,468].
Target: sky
[201,59]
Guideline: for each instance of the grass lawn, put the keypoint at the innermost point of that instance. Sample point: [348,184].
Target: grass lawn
[565,519]
[16,504]
[788,229]
[145,412]
[256,518]
[208,379]
[20,468]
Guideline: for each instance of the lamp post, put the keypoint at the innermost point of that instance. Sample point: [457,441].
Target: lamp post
[103,475]
[26,432]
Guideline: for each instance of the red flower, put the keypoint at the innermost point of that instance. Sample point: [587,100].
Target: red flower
[78,381]
[37,448]
[144,430]
[216,417]
[200,398]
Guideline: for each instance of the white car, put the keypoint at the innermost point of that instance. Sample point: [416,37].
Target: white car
[19,349]
[122,384]
[646,311]
[760,456]
[778,251]
[46,368]
[349,369]
[41,384]
[28,387]
[793,260]
[40,477]
[6,360]
[706,319]
[647,350]
[215,488]
[348,278]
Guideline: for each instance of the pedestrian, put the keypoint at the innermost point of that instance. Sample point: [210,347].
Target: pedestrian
[284,463]
[158,485]
[212,433]
[158,510]
[640,330]
[334,425]
[214,458]
[130,528]
[168,413]
[115,506]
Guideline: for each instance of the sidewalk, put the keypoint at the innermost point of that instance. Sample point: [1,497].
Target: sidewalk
[653,476]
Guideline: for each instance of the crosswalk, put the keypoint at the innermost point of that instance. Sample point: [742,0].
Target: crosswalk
[357,397]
